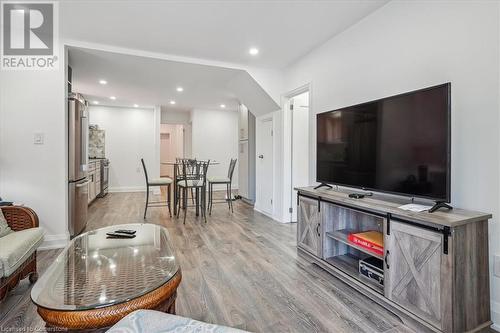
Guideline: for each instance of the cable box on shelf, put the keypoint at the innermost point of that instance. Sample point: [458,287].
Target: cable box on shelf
[373,269]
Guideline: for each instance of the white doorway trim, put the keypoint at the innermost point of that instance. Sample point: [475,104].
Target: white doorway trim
[288,147]
[172,143]
[155,168]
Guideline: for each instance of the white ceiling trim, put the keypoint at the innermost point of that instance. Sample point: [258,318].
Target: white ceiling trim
[148,54]
[273,75]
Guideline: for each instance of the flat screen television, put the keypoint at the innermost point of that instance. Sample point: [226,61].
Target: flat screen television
[398,145]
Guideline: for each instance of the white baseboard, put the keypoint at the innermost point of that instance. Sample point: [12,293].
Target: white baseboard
[222,187]
[257,209]
[495,315]
[127,189]
[156,190]
[54,242]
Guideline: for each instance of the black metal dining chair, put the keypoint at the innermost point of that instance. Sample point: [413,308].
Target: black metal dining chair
[178,165]
[165,181]
[193,177]
[228,181]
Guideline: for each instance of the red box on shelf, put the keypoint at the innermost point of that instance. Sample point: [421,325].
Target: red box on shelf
[372,241]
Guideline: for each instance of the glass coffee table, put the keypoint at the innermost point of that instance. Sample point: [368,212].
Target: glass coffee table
[96,281]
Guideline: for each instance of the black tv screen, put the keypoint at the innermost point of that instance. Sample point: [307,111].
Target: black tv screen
[399,145]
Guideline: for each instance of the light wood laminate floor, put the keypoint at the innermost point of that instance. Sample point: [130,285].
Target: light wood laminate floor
[239,270]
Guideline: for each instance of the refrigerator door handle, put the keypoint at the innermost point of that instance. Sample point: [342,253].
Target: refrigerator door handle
[83,184]
[84,138]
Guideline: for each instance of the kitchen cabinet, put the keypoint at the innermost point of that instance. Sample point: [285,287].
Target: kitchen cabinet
[98,181]
[94,176]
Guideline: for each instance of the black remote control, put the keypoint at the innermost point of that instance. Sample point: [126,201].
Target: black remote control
[118,235]
[126,231]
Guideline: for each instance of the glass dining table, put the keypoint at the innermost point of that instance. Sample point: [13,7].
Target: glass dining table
[175,165]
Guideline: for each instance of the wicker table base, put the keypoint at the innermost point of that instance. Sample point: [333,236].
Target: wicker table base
[162,299]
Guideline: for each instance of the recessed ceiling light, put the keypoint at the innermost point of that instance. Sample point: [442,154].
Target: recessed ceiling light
[180,89]
[103,82]
[223,106]
[172,102]
[112,97]
[95,102]
[136,106]
[253,51]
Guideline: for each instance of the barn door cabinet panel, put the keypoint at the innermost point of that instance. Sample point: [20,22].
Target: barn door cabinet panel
[309,225]
[435,266]
[415,264]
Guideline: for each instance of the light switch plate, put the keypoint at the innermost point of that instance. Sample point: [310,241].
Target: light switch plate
[38,139]
[496,265]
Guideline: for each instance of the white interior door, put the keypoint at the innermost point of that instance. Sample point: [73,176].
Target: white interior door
[265,166]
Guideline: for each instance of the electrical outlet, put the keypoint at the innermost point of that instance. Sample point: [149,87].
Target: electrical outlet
[38,138]
[496,265]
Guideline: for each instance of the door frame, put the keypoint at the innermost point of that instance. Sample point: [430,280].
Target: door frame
[288,147]
[174,136]
[258,168]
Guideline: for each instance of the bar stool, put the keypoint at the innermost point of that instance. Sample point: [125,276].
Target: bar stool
[228,181]
[178,165]
[156,182]
[194,177]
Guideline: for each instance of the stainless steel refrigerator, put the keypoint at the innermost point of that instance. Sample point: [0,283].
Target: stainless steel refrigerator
[77,163]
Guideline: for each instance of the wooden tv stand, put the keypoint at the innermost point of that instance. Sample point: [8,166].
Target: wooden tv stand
[435,264]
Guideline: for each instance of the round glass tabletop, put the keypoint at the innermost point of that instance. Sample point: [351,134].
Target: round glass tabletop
[94,271]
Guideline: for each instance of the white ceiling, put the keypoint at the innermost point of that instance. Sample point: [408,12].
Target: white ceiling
[148,82]
[215,30]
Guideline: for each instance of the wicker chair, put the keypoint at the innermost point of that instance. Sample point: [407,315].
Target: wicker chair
[19,218]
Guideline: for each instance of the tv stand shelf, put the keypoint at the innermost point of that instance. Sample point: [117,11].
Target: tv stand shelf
[341,236]
[435,265]
[348,263]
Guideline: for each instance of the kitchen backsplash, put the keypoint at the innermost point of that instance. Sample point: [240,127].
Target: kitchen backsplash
[96,142]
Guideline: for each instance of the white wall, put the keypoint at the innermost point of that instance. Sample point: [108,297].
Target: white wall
[215,137]
[36,175]
[188,139]
[409,45]
[130,136]
[174,117]
[271,80]
[251,92]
